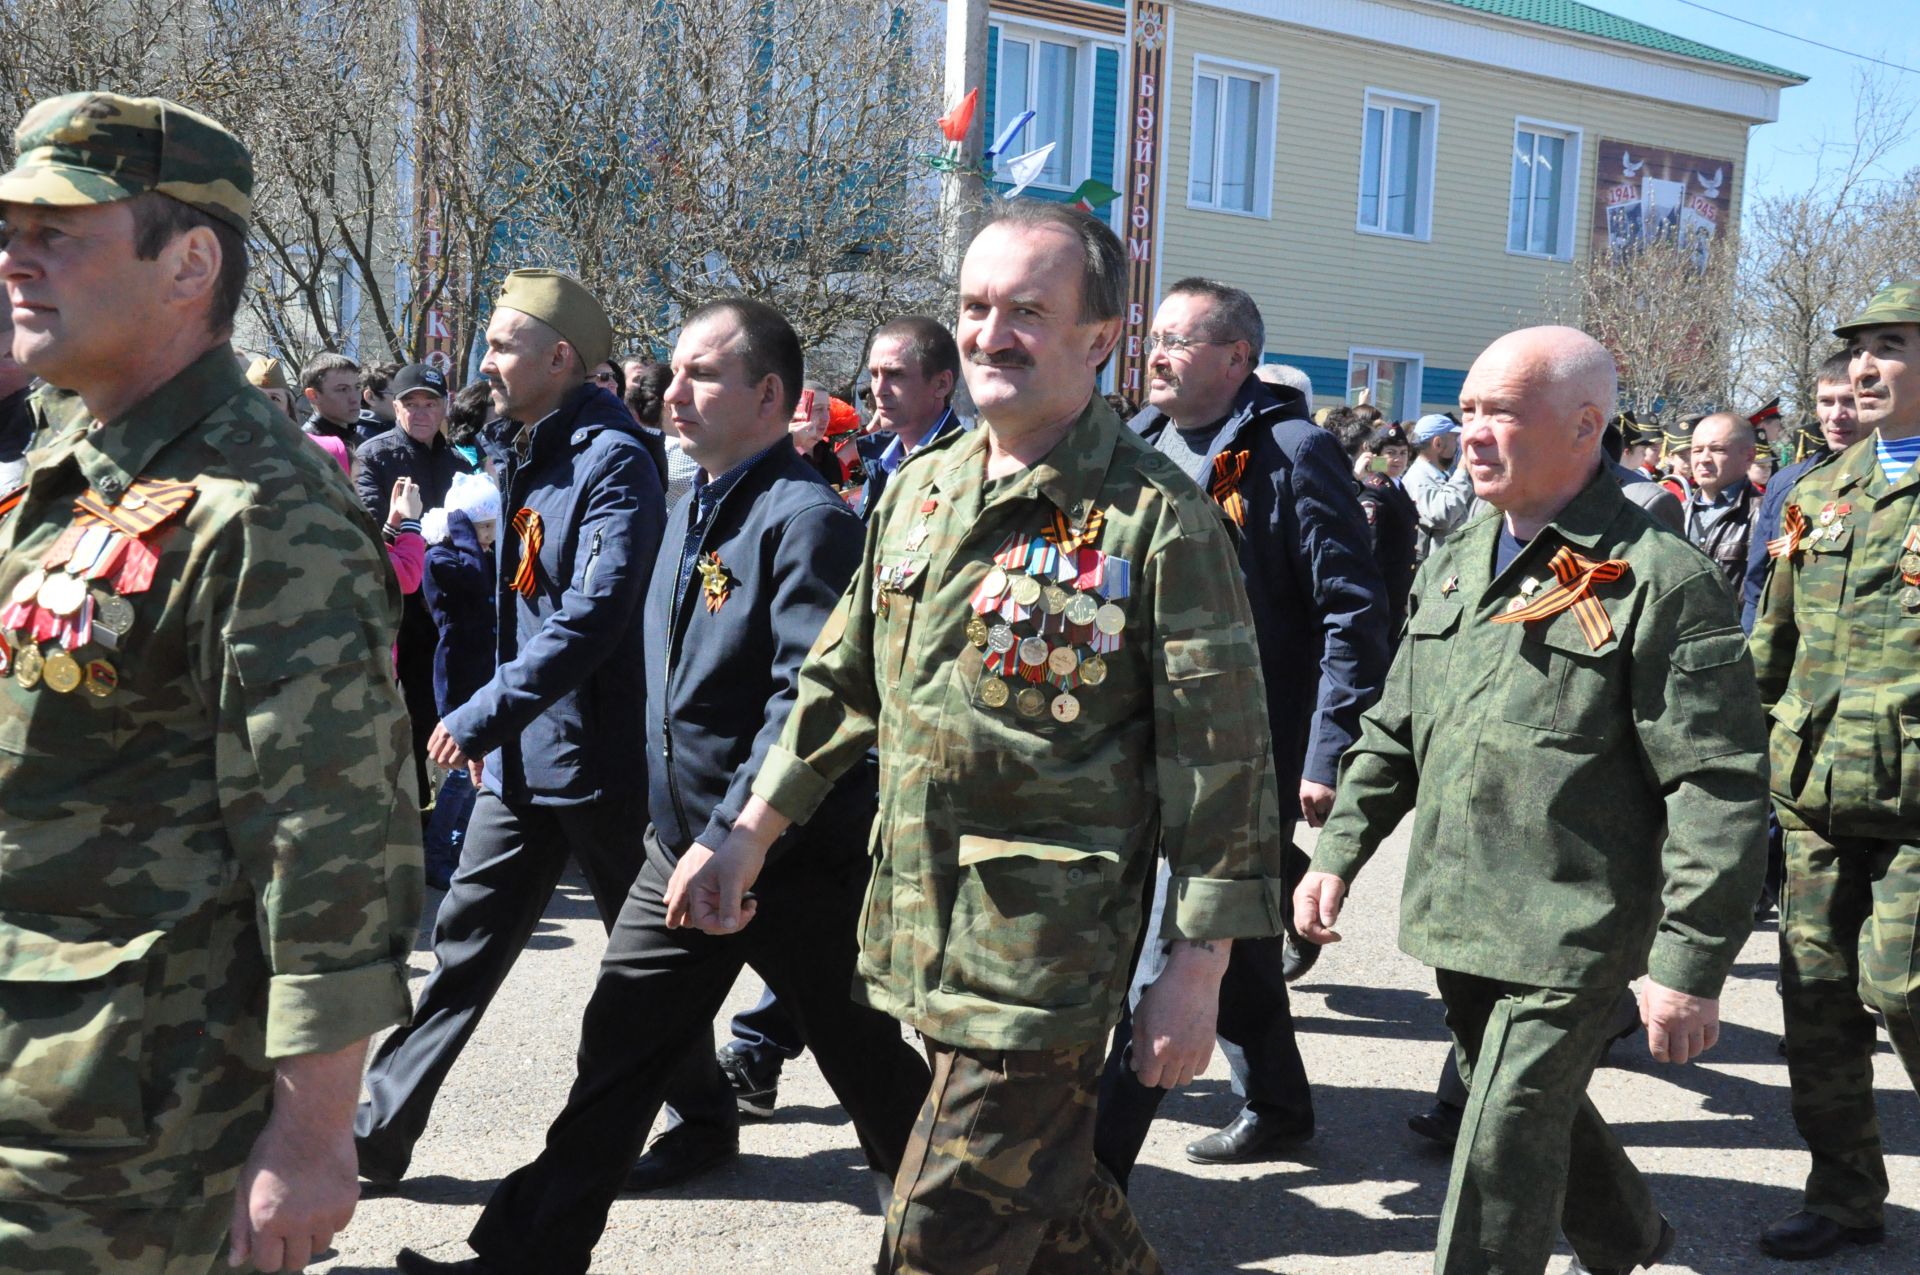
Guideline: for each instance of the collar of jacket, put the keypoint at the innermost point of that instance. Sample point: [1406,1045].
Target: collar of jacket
[580,416]
[1070,476]
[1585,519]
[1859,466]
[1255,402]
[119,451]
[748,487]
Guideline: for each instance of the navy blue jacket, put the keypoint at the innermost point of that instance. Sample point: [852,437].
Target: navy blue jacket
[458,585]
[721,682]
[561,722]
[1319,602]
[1766,526]
[394,454]
[874,447]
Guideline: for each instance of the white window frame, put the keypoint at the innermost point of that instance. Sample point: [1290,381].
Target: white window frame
[1268,79]
[1386,100]
[1416,374]
[1080,154]
[1571,163]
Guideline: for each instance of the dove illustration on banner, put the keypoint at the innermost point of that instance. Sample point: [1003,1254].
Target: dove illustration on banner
[955,123]
[1024,170]
[1010,132]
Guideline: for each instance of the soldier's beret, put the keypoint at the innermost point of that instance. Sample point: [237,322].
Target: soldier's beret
[97,148]
[1896,303]
[563,303]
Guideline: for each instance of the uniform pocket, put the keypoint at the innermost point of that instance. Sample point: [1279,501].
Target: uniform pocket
[1217,702]
[1428,649]
[1787,746]
[1029,924]
[899,580]
[1700,690]
[1557,682]
[72,1020]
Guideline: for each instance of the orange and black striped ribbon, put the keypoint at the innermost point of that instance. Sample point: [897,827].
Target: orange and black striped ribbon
[1793,526]
[147,504]
[1575,578]
[526,525]
[1228,469]
[1061,533]
[11,501]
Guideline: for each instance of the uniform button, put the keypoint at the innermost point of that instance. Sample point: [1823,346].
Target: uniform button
[109,485]
[1073,875]
[243,437]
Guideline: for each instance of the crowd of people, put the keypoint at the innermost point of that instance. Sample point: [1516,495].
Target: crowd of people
[968,704]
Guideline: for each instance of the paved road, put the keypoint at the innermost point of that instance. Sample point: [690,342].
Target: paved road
[1361,1199]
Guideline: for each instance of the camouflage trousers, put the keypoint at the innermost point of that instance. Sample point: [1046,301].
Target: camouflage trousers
[1534,1157]
[999,1176]
[97,1237]
[1847,920]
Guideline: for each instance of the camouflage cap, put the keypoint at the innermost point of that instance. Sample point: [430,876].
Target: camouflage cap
[96,148]
[1896,303]
[563,303]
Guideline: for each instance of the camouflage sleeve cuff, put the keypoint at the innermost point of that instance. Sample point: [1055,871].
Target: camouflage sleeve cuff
[324,1013]
[791,786]
[1210,908]
[1342,860]
[1685,968]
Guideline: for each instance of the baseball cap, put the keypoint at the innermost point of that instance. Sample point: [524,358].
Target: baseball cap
[417,376]
[1428,428]
[99,148]
[1895,303]
[563,303]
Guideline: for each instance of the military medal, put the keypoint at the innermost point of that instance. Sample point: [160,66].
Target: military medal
[61,672]
[918,536]
[1910,564]
[1062,661]
[976,631]
[112,613]
[1031,702]
[1910,599]
[28,586]
[27,665]
[102,679]
[1033,651]
[716,582]
[62,595]
[1026,590]
[1093,670]
[1081,609]
[994,693]
[995,584]
[1110,620]
[1065,707]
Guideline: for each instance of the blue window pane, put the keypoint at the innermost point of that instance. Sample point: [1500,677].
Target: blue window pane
[1403,172]
[1206,110]
[1549,154]
[1370,145]
[1521,198]
[1239,160]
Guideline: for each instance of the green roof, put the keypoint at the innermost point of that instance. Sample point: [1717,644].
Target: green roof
[1584,19]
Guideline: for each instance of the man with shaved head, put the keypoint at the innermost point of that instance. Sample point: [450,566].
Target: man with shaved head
[1725,502]
[1572,720]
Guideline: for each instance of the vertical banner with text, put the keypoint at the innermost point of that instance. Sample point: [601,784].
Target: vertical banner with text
[1140,199]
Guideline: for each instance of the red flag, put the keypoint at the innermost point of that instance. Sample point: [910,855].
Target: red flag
[956,122]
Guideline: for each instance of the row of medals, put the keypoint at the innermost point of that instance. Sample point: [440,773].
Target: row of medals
[102,617]
[1832,522]
[1035,652]
[1910,579]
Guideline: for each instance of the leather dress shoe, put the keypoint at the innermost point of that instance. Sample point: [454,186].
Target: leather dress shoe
[1297,957]
[1809,1235]
[1661,1247]
[376,1169]
[1249,1137]
[408,1262]
[1439,1123]
[677,1156]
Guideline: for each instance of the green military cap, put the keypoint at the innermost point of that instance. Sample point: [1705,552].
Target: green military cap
[563,303]
[1895,303]
[267,374]
[96,148]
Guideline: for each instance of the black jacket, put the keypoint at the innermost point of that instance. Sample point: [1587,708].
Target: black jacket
[393,455]
[561,722]
[1319,604]
[16,432]
[353,435]
[721,681]
[1395,526]
[458,585]
[1726,542]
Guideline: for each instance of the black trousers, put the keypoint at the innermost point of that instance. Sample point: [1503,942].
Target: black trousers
[768,1031]
[659,989]
[509,864]
[1256,1036]
[413,662]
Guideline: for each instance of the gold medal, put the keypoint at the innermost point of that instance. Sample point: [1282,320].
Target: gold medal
[1081,609]
[1065,708]
[1910,564]
[1033,651]
[977,631]
[102,679]
[1093,670]
[1000,639]
[994,693]
[28,586]
[1054,599]
[112,613]
[995,584]
[62,673]
[1026,590]
[1062,661]
[1110,619]
[1031,702]
[27,665]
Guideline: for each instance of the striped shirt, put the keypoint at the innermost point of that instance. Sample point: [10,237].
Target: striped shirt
[1897,455]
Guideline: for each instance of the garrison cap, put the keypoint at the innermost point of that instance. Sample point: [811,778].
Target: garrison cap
[267,374]
[563,303]
[1895,303]
[97,148]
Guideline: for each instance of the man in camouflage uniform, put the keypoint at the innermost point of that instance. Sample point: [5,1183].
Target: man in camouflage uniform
[1572,721]
[1837,648]
[209,865]
[1050,644]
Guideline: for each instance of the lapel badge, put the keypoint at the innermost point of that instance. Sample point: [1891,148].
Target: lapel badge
[1448,585]
[716,582]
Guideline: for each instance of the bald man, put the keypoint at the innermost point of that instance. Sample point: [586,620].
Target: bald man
[1573,721]
[1725,502]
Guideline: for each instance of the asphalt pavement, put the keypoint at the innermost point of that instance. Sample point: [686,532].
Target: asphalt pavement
[1362,1198]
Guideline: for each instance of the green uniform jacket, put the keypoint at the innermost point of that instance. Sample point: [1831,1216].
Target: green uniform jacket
[1012,852]
[1838,656]
[216,864]
[1572,806]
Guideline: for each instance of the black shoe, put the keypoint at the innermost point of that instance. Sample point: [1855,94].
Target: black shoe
[1661,1247]
[408,1262]
[1249,1137]
[755,1081]
[1439,1123]
[677,1156]
[1808,1235]
[1297,956]
[376,1168]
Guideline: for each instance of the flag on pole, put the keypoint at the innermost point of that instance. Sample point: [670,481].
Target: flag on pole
[1092,195]
[1010,132]
[1025,169]
[955,123]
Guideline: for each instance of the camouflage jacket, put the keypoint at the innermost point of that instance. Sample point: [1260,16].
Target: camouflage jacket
[208,858]
[1574,806]
[1838,652]
[1014,845]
